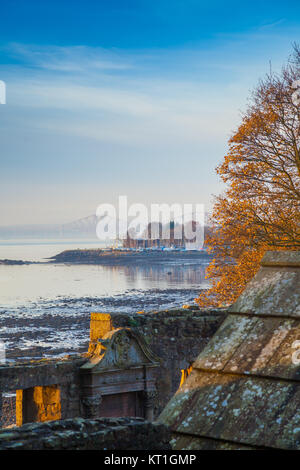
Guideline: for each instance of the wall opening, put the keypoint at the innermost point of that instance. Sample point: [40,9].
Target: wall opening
[38,404]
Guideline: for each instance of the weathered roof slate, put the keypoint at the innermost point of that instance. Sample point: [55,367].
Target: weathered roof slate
[251,411]
[244,389]
[275,289]
[253,346]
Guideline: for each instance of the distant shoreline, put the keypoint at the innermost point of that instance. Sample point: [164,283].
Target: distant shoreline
[19,262]
[114,257]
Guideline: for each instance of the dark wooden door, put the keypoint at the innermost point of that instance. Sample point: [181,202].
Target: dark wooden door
[122,405]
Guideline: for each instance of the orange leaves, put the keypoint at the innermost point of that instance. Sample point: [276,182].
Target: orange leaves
[260,208]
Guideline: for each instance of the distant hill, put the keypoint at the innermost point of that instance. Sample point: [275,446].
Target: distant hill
[81,228]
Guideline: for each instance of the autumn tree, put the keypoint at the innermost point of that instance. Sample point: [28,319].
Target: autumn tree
[260,209]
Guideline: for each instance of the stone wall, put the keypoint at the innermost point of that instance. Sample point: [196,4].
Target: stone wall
[84,434]
[29,377]
[176,336]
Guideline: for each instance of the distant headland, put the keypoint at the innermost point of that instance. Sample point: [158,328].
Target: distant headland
[113,256]
[117,256]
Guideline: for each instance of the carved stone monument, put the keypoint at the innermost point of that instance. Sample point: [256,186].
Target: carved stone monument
[118,379]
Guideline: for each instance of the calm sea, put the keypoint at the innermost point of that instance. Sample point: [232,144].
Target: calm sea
[46,308]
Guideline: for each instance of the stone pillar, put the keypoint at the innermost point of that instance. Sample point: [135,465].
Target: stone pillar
[38,404]
[91,406]
[100,324]
[149,402]
[70,400]
[19,408]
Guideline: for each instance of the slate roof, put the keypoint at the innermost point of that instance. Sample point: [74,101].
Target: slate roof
[244,390]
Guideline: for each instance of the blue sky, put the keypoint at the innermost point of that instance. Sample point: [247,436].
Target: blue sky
[126,97]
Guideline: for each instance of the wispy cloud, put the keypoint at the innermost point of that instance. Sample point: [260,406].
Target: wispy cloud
[136,108]
[115,95]
[125,119]
[67,59]
[135,118]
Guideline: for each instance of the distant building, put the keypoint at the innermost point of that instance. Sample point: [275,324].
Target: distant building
[153,237]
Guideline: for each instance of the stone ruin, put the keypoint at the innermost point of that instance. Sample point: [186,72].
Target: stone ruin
[58,388]
[120,376]
[241,392]
[115,379]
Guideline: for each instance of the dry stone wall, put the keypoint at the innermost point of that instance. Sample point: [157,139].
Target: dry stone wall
[176,336]
[84,434]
